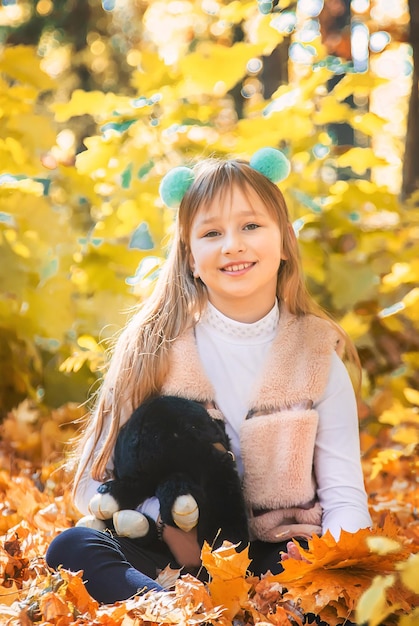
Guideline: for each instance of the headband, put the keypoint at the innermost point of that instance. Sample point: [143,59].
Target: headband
[270,162]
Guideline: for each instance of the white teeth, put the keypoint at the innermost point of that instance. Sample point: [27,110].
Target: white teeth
[237,268]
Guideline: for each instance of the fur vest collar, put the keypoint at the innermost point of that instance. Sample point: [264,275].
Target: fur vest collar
[277,438]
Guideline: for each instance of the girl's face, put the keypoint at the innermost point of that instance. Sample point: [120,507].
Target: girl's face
[236,249]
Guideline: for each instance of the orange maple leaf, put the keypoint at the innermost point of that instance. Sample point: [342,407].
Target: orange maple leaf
[227,568]
[76,593]
[53,607]
[225,562]
[333,574]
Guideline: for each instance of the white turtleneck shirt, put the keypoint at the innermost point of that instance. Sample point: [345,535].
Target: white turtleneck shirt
[232,355]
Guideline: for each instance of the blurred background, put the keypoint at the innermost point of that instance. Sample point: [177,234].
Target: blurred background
[99,99]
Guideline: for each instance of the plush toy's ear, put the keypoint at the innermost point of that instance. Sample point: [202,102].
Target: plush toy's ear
[272,163]
[174,185]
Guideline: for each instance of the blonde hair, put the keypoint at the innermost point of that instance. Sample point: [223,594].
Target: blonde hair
[138,366]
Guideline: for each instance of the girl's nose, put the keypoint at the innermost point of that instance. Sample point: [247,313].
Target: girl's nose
[233,242]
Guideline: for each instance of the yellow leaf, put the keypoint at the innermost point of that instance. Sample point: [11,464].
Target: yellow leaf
[332,111]
[25,185]
[410,573]
[410,620]
[372,607]
[88,343]
[406,435]
[97,155]
[254,133]
[236,11]
[360,160]
[153,73]
[368,123]
[357,84]
[383,545]
[214,69]
[412,395]
[73,363]
[398,414]
[89,103]
[411,302]
[268,34]
[23,64]
[354,325]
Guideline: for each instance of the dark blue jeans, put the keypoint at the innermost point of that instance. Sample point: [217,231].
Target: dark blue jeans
[116,568]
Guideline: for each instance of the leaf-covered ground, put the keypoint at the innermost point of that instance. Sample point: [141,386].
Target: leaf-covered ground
[371,577]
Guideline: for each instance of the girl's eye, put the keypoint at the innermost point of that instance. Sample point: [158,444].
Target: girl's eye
[211,233]
[251,226]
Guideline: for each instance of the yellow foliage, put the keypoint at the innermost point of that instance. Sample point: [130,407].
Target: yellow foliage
[267,34]
[94,103]
[357,83]
[369,123]
[411,302]
[412,395]
[332,111]
[360,160]
[409,573]
[214,68]
[372,608]
[22,64]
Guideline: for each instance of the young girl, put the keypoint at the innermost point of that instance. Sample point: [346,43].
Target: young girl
[230,323]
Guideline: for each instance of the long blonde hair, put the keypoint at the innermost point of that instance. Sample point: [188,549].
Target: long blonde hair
[138,366]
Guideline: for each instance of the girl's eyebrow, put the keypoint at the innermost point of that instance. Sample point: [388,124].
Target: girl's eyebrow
[212,218]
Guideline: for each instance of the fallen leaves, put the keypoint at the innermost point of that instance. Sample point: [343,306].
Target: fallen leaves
[371,576]
[333,576]
[40,436]
[372,571]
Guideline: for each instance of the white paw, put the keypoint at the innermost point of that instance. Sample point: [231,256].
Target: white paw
[185,512]
[103,505]
[129,523]
[90,521]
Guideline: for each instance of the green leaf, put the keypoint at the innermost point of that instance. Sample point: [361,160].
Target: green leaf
[141,238]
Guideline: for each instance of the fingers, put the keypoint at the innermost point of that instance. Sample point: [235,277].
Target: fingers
[292,552]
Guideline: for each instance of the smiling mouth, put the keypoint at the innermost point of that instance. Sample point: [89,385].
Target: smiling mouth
[237,267]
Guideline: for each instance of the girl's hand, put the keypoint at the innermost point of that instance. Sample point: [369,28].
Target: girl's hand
[183,545]
[292,553]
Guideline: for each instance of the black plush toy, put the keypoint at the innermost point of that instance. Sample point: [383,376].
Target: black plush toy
[172,448]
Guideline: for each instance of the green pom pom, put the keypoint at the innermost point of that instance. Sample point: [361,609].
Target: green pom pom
[174,185]
[271,163]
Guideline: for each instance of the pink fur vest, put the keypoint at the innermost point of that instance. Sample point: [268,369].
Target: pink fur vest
[278,436]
